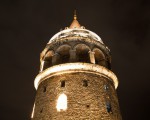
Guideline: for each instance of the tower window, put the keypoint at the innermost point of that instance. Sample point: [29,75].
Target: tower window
[41,110]
[63,83]
[85,83]
[87,106]
[106,87]
[44,89]
[62,102]
[108,107]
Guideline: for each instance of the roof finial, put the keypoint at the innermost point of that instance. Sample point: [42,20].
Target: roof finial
[75,23]
[75,14]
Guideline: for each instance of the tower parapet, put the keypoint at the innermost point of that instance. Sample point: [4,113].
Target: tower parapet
[75,79]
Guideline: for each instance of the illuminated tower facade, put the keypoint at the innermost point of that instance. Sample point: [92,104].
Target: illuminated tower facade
[75,80]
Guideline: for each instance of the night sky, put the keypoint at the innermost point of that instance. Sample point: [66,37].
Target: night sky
[27,25]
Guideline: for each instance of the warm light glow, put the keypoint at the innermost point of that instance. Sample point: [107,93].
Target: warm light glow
[75,67]
[79,31]
[32,115]
[42,65]
[61,102]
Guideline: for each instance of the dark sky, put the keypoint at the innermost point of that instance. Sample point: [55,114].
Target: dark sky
[27,25]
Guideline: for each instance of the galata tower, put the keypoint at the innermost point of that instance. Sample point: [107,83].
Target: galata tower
[75,80]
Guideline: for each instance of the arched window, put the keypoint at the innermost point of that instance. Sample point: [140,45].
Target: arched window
[64,53]
[61,102]
[99,57]
[47,60]
[82,53]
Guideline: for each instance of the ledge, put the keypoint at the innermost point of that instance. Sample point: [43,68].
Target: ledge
[75,67]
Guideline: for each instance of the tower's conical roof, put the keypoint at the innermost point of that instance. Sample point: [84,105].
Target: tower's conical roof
[75,29]
[75,23]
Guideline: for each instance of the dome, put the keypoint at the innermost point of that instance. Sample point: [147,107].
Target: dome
[76,32]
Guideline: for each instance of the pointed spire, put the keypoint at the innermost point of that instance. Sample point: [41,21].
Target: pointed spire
[75,23]
[75,15]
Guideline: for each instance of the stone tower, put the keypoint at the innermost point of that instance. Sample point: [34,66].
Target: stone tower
[75,80]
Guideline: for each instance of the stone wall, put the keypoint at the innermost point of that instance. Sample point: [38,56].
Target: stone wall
[89,97]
